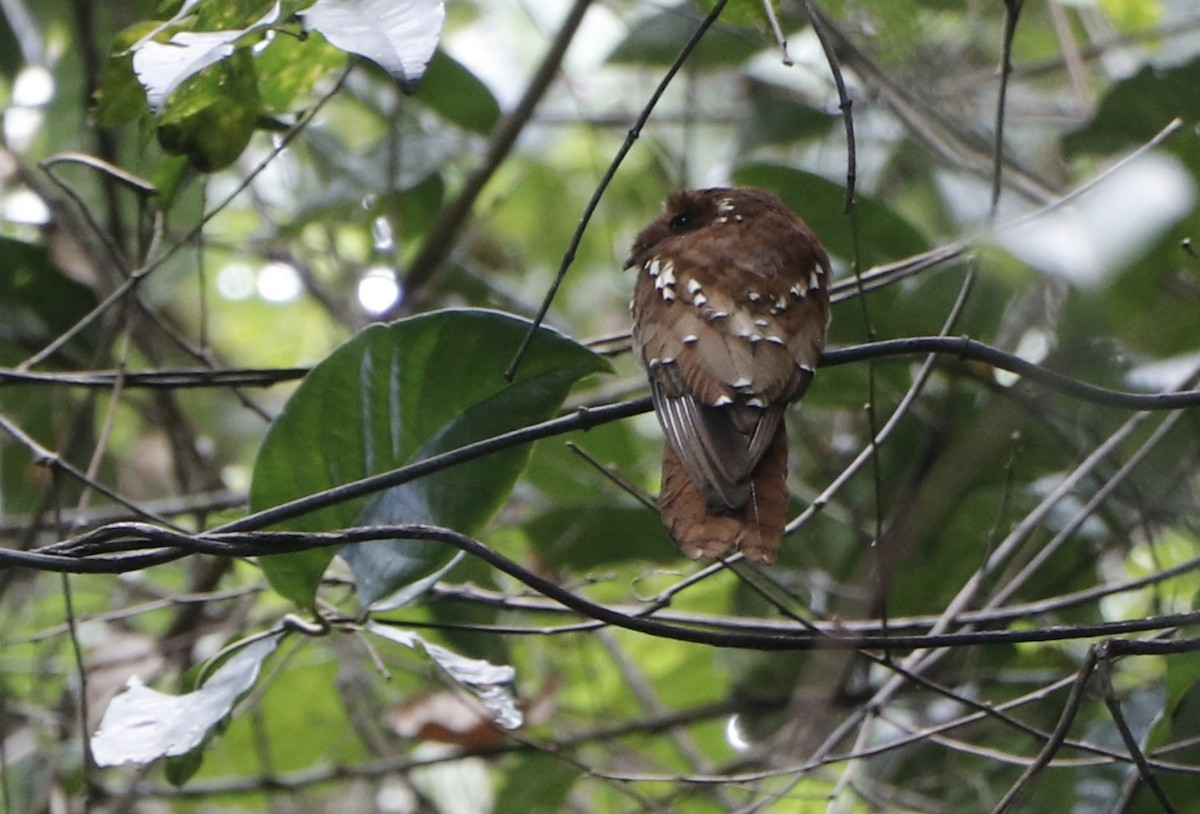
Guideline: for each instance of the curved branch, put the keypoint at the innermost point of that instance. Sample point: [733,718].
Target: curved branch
[88,554]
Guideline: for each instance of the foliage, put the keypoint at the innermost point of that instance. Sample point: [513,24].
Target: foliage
[204,206]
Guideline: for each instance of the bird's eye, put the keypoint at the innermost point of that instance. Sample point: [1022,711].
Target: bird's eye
[681,221]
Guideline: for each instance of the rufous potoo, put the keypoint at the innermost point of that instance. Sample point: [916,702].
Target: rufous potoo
[730,312]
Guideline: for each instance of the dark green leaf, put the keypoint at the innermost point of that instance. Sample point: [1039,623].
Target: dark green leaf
[778,117]
[10,49]
[659,39]
[119,98]
[400,393]
[211,117]
[234,14]
[458,95]
[883,235]
[1134,110]
[180,769]
[37,301]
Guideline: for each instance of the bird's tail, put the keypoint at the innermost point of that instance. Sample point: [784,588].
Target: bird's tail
[754,528]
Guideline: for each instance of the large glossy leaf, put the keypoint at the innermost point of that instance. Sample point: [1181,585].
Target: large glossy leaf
[883,234]
[400,393]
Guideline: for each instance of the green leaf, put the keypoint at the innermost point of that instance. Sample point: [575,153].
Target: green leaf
[1134,110]
[883,234]
[741,12]
[119,97]
[232,14]
[778,117]
[37,301]
[658,40]
[162,67]
[211,117]
[458,95]
[289,67]
[400,393]
[10,49]
[142,725]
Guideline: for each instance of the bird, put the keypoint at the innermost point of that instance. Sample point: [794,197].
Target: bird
[730,313]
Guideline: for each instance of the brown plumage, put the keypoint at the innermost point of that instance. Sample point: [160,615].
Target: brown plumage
[730,312]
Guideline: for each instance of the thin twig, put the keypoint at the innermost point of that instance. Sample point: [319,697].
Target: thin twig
[821,28]
[1012,12]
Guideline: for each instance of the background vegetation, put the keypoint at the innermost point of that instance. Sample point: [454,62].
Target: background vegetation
[990,604]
